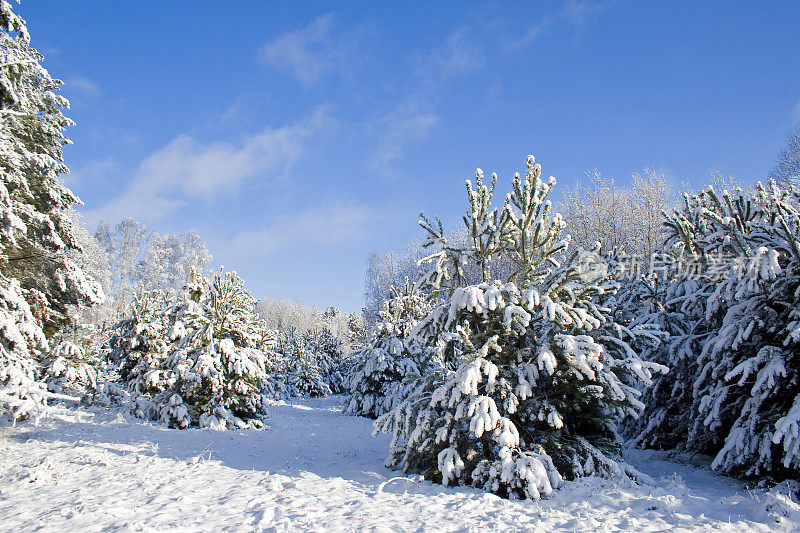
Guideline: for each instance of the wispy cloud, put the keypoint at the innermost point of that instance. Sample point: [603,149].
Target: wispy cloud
[188,170]
[82,85]
[412,119]
[233,111]
[459,54]
[320,49]
[408,122]
[330,224]
[91,172]
[576,13]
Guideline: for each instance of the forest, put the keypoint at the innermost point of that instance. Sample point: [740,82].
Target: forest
[526,348]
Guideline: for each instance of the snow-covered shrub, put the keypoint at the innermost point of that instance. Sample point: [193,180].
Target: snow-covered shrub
[746,390]
[534,375]
[782,504]
[197,362]
[378,382]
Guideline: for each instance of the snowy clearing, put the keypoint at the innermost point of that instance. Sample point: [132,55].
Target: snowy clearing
[316,469]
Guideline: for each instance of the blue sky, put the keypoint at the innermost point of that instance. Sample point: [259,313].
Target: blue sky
[297,137]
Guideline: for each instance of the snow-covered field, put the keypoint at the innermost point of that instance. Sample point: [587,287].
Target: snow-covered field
[316,469]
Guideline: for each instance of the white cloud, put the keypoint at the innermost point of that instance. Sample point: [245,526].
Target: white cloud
[332,224]
[188,170]
[83,85]
[574,12]
[412,119]
[408,122]
[458,55]
[317,50]
[91,172]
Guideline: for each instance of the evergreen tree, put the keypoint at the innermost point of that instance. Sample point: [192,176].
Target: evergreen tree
[675,303]
[21,338]
[746,389]
[384,370]
[533,374]
[197,362]
[139,341]
[72,367]
[329,357]
[302,374]
[38,279]
[358,331]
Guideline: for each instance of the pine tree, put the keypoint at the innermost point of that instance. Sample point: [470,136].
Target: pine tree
[384,370]
[358,332]
[302,372]
[197,362]
[746,390]
[73,365]
[139,341]
[328,356]
[38,279]
[534,375]
[675,303]
[21,393]
[267,341]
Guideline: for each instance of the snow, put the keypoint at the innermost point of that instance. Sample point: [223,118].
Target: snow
[314,468]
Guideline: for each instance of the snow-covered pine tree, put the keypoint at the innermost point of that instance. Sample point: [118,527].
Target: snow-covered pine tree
[534,374]
[72,366]
[746,393]
[266,341]
[38,279]
[384,369]
[675,305]
[303,377]
[358,332]
[139,341]
[21,337]
[200,365]
[328,356]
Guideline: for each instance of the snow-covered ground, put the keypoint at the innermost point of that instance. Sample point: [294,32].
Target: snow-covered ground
[316,469]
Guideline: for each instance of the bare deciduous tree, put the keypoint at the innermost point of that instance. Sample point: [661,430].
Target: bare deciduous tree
[787,165]
[629,217]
